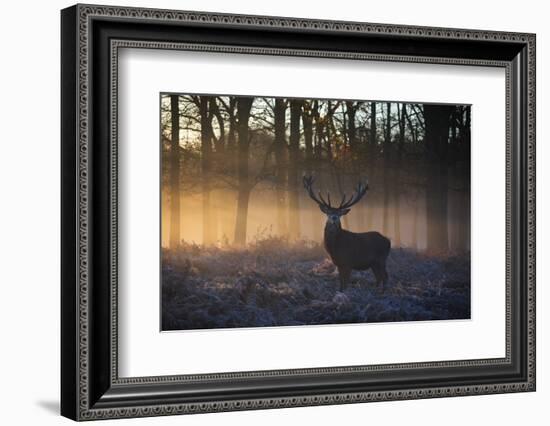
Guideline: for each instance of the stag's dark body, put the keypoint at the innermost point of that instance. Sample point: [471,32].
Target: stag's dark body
[356,251]
[351,250]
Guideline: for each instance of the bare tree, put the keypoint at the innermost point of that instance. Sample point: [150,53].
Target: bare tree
[372,138]
[280,173]
[386,184]
[294,159]
[437,121]
[175,173]
[244,105]
[372,149]
[397,187]
[209,225]
[307,122]
[351,110]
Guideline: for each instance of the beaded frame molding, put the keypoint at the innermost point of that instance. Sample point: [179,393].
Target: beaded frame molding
[91,38]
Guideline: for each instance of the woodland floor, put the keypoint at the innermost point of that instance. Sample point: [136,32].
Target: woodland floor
[272,283]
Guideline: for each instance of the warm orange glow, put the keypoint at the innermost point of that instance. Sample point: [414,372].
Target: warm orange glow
[262,220]
[395,205]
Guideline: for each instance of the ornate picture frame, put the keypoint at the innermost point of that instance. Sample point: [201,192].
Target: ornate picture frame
[90,384]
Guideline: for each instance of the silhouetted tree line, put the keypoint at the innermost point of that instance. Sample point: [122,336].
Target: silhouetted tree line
[223,147]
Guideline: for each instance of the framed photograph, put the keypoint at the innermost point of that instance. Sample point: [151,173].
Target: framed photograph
[263,212]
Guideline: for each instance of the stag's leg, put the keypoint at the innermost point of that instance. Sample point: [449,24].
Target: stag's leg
[380,274]
[386,276]
[344,274]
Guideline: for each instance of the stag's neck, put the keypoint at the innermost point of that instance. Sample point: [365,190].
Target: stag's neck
[332,232]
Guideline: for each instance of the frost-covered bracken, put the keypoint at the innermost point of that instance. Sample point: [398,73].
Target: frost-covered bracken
[274,283]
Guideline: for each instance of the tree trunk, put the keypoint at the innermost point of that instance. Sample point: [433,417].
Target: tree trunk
[244,105]
[294,158]
[174,239]
[356,156]
[437,121]
[218,142]
[220,198]
[466,176]
[318,139]
[412,127]
[280,171]
[462,169]
[351,130]
[328,135]
[387,183]
[209,226]
[231,139]
[228,165]
[307,122]
[214,111]
[397,174]
[316,216]
[217,197]
[371,162]
[372,138]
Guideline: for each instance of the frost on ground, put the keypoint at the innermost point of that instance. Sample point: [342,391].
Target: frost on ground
[273,283]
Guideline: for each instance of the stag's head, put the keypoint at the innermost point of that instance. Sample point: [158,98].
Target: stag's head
[334,213]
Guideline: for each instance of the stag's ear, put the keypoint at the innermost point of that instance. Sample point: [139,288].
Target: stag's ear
[344,212]
[323,209]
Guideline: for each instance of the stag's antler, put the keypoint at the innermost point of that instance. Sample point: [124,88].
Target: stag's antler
[308,185]
[360,191]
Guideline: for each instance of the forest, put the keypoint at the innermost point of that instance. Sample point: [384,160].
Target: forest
[238,226]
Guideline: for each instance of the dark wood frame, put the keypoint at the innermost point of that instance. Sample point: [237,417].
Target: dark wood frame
[90,386]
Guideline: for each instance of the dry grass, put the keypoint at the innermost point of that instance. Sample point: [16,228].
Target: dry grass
[273,283]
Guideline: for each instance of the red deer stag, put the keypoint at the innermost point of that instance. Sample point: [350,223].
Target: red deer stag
[351,250]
